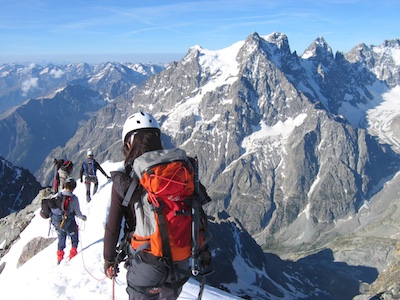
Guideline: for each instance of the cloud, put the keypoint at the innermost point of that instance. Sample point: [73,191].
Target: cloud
[29,84]
[56,73]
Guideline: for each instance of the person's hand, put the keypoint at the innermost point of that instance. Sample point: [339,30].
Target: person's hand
[81,180]
[84,218]
[108,177]
[109,269]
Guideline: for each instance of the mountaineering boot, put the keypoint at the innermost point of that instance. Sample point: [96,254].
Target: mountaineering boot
[60,256]
[72,252]
[88,197]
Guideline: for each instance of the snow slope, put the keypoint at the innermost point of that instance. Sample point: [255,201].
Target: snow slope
[83,276]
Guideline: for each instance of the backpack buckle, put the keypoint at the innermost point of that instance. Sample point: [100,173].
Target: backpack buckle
[182,212]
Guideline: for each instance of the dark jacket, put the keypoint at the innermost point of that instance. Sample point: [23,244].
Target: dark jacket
[96,166]
[121,182]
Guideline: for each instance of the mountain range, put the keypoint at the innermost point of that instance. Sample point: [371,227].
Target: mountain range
[67,97]
[19,83]
[17,188]
[302,151]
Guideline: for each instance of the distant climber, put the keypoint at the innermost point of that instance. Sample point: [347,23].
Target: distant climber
[57,163]
[64,206]
[64,172]
[89,168]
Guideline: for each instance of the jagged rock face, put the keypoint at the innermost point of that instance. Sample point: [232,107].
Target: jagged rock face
[266,276]
[17,188]
[13,224]
[33,247]
[388,281]
[234,260]
[387,285]
[381,59]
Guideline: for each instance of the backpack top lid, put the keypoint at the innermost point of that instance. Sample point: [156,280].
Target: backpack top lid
[139,121]
[68,164]
[166,175]
[152,158]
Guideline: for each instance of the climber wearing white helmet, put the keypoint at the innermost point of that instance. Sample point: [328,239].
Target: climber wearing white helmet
[89,168]
[140,134]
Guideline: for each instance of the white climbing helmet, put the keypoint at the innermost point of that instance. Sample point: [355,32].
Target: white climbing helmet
[139,121]
[89,153]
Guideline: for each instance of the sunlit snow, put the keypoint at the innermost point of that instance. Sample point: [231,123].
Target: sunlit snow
[282,129]
[381,118]
[82,277]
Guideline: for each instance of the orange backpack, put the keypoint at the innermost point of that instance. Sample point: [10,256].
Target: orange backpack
[171,208]
[169,187]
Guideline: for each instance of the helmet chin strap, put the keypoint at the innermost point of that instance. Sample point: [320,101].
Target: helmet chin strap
[132,138]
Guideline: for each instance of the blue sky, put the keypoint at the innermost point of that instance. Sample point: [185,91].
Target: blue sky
[161,31]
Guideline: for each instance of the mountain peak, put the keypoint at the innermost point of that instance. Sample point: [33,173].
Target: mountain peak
[383,59]
[360,52]
[276,38]
[318,48]
[279,39]
[395,43]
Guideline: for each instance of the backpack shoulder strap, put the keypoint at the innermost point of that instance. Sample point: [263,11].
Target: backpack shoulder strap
[67,199]
[131,190]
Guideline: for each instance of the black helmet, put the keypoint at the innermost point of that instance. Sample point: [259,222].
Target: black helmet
[70,183]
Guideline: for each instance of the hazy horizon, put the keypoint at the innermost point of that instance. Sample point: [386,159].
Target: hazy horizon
[45,59]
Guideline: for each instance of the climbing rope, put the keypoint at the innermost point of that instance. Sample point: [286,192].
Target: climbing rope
[83,259]
[96,278]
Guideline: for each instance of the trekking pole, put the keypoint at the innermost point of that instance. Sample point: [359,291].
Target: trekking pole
[203,279]
[195,222]
[113,288]
[118,259]
[48,233]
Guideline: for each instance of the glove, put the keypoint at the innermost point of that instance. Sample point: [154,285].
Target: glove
[81,180]
[205,258]
[84,218]
[108,177]
[109,269]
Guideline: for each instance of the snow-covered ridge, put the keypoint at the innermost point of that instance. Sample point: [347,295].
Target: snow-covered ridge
[83,276]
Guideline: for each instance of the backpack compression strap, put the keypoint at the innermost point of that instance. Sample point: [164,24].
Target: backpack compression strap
[166,248]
